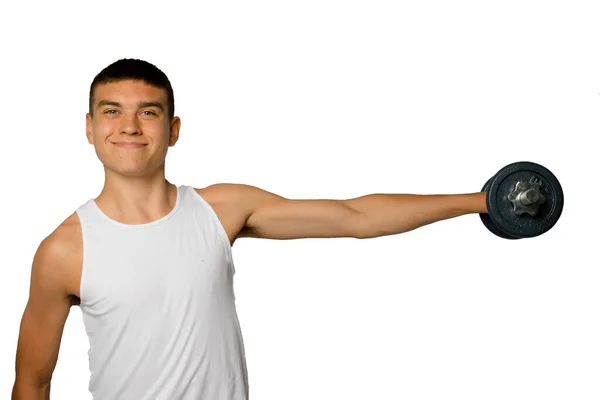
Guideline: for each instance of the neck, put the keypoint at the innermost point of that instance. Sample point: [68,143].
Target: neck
[136,200]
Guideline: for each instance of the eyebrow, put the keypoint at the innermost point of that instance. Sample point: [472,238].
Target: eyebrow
[141,104]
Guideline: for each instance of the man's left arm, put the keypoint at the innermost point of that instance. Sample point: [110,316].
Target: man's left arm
[272,216]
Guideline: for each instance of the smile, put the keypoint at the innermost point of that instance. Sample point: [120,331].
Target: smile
[130,145]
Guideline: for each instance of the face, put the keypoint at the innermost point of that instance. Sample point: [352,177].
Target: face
[130,127]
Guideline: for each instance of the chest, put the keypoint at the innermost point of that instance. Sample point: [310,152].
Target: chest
[154,270]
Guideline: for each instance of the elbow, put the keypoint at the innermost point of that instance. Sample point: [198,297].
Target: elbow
[359,224]
[362,228]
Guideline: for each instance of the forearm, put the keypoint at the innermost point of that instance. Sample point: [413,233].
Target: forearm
[30,391]
[388,214]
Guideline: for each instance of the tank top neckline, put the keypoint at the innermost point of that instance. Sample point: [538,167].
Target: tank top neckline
[148,224]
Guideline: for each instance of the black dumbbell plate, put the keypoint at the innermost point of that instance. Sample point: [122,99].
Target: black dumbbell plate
[501,211]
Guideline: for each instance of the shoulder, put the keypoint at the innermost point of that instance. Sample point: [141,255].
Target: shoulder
[241,195]
[64,239]
[234,204]
[59,255]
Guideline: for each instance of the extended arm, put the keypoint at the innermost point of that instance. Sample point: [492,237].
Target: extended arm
[267,215]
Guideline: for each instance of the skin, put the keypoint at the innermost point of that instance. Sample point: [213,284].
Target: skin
[135,192]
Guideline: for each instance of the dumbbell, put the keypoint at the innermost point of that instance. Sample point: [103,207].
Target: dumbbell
[524,200]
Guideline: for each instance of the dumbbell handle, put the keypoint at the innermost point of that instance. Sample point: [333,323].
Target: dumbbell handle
[529,196]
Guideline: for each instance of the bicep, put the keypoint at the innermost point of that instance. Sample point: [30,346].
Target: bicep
[43,319]
[280,218]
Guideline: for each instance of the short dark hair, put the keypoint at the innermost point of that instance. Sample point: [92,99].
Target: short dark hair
[135,69]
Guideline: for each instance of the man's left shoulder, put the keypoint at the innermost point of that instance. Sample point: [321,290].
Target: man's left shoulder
[231,203]
[221,192]
[233,193]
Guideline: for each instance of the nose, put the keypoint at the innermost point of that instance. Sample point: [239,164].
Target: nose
[130,124]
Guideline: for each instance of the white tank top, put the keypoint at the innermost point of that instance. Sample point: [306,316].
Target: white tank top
[158,306]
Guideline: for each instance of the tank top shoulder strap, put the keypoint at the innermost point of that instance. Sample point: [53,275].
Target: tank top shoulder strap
[194,199]
[88,214]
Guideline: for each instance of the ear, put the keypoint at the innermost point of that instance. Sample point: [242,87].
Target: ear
[174,131]
[88,128]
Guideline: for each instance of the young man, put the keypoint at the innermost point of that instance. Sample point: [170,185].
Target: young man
[150,262]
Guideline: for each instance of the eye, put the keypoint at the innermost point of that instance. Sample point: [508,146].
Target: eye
[110,111]
[148,112]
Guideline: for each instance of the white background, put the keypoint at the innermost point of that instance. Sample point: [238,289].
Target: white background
[337,99]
